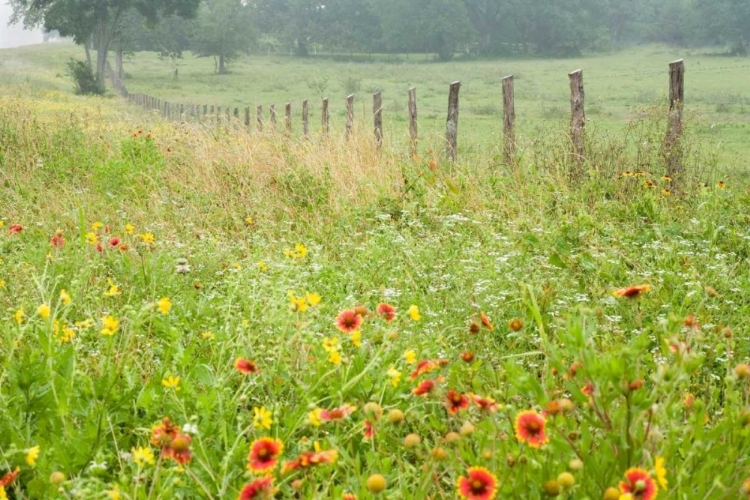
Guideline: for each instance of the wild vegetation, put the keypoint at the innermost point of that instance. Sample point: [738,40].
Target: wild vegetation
[198,312]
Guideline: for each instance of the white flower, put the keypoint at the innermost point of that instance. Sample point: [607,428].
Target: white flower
[190,429]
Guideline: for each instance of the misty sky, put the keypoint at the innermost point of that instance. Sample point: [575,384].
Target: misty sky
[14,36]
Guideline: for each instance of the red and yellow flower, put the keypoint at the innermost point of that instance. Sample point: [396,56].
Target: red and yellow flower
[486,404]
[246,366]
[631,291]
[386,311]
[261,488]
[348,321]
[336,414]
[179,449]
[309,459]
[478,484]
[264,455]
[455,402]
[428,365]
[9,477]
[639,484]
[424,387]
[530,428]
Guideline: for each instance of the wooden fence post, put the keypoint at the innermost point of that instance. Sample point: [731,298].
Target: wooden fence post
[451,131]
[577,116]
[272,111]
[288,117]
[182,112]
[165,107]
[247,117]
[413,128]
[305,122]
[674,132]
[218,115]
[237,114]
[509,119]
[205,110]
[377,111]
[259,118]
[349,115]
[325,117]
[226,113]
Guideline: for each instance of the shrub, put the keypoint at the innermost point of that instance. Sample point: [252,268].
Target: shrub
[84,78]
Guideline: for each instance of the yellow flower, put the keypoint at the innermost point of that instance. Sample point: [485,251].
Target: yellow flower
[2,283]
[207,335]
[109,326]
[298,303]
[330,344]
[249,220]
[2,223]
[357,338]
[114,493]
[18,316]
[299,252]
[666,192]
[171,382]
[314,417]
[410,356]
[113,289]
[64,297]
[335,357]
[262,266]
[313,299]
[147,238]
[84,325]
[44,311]
[3,494]
[721,185]
[261,418]
[395,376]
[164,305]
[129,228]
[31,455]
[68,335]
[92,239]
[414,313]
[142,456]
[96,226]
[661,473]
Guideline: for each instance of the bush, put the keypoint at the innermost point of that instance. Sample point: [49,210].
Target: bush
[84,78]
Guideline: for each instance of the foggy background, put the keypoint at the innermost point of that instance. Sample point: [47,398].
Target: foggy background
[15,36]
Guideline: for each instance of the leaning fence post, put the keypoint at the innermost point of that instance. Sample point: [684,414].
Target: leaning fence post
[413,129]
[509,119]
[451,132]
[259,118]
[377,111]
[272,112]
[305,123]
[325,117]
[577,115]
[288,116]
[674,132]
[349,115]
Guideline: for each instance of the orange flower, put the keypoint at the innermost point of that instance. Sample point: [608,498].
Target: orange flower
[264,454]
[639,484]
[259,488]
[530,428]
[455,402]
[425,387]
[487,404]
[369,432]
[588,389]
[9,477]
[348,321]
[631,291]
[427,366]
[387,311]
[486,321]
[309,459]
[163,434]
[348,496]
[336,414]
[179,449]
[246,366]
[15,229]
[478,484]
[58,240]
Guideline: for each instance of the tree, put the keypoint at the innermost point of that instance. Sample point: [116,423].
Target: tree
[224,29]
[97,20]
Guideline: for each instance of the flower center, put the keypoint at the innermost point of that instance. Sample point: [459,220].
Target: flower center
[533,427]
[477,486]
[456,398]
[263,452]
[640,486]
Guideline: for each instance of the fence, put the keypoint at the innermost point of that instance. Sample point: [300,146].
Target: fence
[672,150]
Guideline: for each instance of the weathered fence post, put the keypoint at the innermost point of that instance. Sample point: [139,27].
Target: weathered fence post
[288,117]
[349,115]
[218,115]
[165,110]
[577,116]
[272,111]
[413,129]
[226,114]
[509,119]
[237,114]
[674,132]
[182,112]
[451,130]
[259,118]
[205,110]
[247,117]
[377,111]
[325,117]
[305,122]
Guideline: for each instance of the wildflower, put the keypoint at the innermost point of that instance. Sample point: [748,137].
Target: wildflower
[18,316]
[298,303]
[64,297]
[486,404]
[299,252]
[515,324]
[627,173]
[109,326]
[530,428]
[68,334]
[9,477]
[2,283]
[414,313]
[330,344]
[474,327]
[313,299]
[164,305]
[249,221]
[142,456]
[742,370]
[369,431]
[639,484]
[357,338]
[376,483]
[666,192]
[262,418]
[395,376]
[171,382]
[15,229]
[337,414]
[314,417]
[649,184]
[114,242]
[347,495]
[335,357]
[666,178]
[57,240]
[348,321]
[43,311]
[588,389]
[32,454]
[410,356]
[478,484]
[262,266]
[179,449]
[147,238]
[182,266]
[261,488]
[631,291]
[92,238]
[264,453]
[114,493]
[486,321]
[96,226]
[425,387]
[427,366]
[309,459]
[395,416]
[455,402]
[113,289]
[129,228]
[661,472]
[84,325]
[721,185]
[386,311]
[246,366]
[467,356]
[207,335]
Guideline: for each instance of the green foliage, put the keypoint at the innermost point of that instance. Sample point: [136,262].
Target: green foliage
[223,31]
[83,78]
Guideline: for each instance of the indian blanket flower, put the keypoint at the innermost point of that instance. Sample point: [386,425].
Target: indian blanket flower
[425,387]
[309,459]
[369,431]
[32,454]
[9,477]
[455,402]
[661,473]
[164,305]
[142,456]
[171,382]
[114,242]
[631,291]
[414,313]
[262,418]
[15,229]
[347,495]
[486,404]
[246,366]
[264,453]
[58,240]
[639,485]
[486,321]
[427,366]
[337,414]
[478,484]
[164,433]
[386,311]
[348,321]
[261,488]
[530,428]
[179,449]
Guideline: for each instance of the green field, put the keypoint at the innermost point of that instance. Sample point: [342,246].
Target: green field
[558,332]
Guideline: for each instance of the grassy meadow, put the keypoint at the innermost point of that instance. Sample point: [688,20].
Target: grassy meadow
[197,312]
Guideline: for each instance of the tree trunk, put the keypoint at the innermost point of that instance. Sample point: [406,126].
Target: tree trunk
[118,62]
[222,67]
[88,54]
